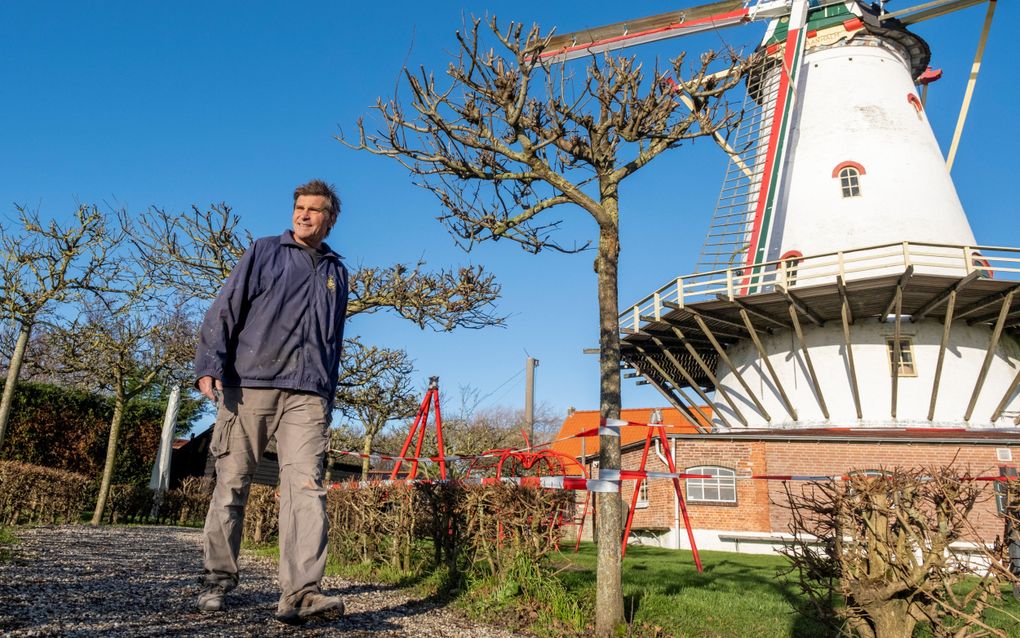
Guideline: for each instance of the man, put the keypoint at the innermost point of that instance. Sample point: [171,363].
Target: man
[269,354]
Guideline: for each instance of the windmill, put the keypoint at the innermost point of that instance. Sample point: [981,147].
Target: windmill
[840,283]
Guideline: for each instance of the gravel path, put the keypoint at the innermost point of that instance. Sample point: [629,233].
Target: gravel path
[142,581]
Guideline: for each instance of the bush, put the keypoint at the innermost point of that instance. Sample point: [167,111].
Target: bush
[33,494]
[481,530]
[879,555]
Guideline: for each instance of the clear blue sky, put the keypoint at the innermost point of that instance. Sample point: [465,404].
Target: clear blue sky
[139,104]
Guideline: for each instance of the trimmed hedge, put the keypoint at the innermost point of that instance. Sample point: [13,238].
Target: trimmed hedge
[466,528]
[33,494]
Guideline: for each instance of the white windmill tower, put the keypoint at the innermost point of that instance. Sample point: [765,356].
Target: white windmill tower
[841,284]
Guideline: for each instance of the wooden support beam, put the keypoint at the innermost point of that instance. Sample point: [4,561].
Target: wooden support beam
[673,400]
[845,313]
[897,354]
[716,318]
[937,300]
[726,359]
[807,359]
[947,323]
[710,374]
[690,380]
[676,385]
[999,409]
[768,364]
[983,303]
[678,324]
[803,308]
[847,319]
[900,285]
[752,311]
[1011,316]
[989,354]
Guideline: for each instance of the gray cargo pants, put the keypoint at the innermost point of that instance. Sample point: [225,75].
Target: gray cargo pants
[247,419]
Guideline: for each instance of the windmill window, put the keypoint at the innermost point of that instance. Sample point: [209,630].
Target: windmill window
[721,487]
[850,182]
[849,176]
[907,367]
[790,260]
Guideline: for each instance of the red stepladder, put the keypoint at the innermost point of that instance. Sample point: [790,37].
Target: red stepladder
[421,419]
[660,432]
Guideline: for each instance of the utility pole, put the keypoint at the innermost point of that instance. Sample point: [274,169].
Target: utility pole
[529,397]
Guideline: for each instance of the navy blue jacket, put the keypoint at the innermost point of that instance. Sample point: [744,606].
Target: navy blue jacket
[277,322]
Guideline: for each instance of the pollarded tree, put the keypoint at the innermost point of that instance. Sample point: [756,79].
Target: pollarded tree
[386,393]
[124,346]
[43,264]
[194,252]
[504,139]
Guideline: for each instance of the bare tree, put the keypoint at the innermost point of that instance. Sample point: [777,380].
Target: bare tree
[194,252]
[44,264]
[887,547]
[123,346]
[504,140]
[385,395]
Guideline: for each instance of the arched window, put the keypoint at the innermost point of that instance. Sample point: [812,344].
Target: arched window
[720,488]
[849,175]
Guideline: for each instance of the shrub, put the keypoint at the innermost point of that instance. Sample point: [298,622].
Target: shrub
[887,547]
[464,529]
[33,494]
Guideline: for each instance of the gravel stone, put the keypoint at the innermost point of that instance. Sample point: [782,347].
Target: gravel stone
[143,581]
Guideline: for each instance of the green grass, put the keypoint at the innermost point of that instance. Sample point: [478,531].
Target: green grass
[737,594]
[7,542]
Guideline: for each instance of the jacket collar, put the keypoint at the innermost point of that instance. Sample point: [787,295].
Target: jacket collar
[287,239]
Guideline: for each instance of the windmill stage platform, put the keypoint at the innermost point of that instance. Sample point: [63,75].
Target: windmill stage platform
[748,333]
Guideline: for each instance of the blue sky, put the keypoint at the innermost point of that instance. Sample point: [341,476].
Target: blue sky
[138,104]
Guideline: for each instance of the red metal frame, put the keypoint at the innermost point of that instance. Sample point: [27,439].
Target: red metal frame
[420,425]
[660,431]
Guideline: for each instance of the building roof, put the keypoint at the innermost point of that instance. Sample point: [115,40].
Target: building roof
[582,420]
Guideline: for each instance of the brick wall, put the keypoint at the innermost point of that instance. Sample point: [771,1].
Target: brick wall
[840,458]
[751,511]
[755,511]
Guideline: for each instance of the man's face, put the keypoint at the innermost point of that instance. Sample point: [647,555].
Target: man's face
[311,221]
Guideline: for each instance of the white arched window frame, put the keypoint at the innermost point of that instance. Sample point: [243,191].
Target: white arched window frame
[720,488]
[849,175]
[850,181]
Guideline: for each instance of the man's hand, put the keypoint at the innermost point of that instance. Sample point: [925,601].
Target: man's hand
[210,387]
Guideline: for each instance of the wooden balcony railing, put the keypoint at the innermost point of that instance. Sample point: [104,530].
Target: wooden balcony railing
[861,263]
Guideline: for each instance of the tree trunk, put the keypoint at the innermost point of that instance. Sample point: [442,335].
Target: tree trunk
[366,449]
[609,592]
[12,378]
[111,457]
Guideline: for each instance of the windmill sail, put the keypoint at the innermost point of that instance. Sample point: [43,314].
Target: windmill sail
[729,233]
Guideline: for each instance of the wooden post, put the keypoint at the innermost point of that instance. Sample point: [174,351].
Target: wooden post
[768,364]
[711,376]
[807,360]
[989,354]
[847,318]
[947,322]
[726,359]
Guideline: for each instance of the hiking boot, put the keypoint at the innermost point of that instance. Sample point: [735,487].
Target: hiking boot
[312,605]
[212,598]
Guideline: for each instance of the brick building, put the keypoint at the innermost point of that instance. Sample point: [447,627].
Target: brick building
[734,512]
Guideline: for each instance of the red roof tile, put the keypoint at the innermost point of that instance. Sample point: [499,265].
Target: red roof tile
[582,420]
